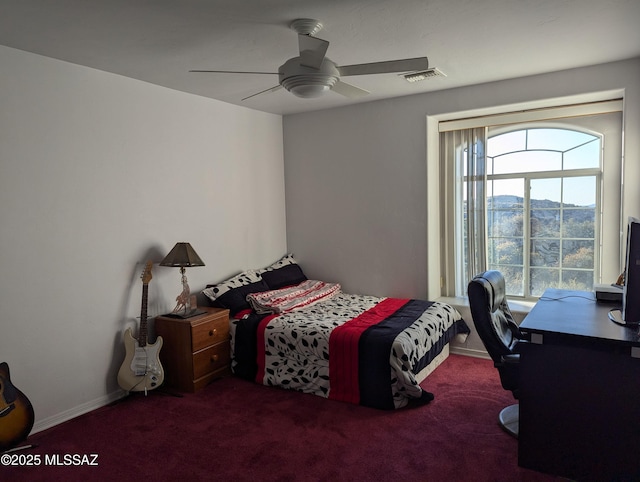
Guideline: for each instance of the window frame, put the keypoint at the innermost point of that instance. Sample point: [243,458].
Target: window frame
[442,280]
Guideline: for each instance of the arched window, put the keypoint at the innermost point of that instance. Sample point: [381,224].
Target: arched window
[533,194]
[543,200]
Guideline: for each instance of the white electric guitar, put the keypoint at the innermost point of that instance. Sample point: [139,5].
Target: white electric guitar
[141,369]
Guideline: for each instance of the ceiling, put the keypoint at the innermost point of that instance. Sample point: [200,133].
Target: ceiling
[471,41]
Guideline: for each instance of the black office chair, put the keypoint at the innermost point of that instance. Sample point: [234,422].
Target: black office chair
[500,335]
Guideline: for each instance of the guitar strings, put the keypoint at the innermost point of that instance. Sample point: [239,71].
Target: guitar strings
[143,377]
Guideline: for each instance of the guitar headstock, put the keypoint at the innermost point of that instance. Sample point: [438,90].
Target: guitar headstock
[146,274]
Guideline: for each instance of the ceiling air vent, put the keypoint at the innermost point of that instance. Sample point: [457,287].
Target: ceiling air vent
[424,75]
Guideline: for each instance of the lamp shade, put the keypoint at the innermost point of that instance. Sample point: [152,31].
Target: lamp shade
[182,255]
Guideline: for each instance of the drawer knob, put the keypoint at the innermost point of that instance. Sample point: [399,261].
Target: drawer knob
[214,358]
[212,332]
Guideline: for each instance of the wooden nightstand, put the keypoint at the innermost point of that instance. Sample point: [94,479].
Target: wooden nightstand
[195,350]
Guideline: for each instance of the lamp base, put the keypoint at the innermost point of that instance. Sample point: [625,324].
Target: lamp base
[187,303]
[188,314]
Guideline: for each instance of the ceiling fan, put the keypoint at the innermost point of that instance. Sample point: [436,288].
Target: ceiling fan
[311,74]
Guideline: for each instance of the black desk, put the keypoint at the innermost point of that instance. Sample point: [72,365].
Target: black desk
[579,390]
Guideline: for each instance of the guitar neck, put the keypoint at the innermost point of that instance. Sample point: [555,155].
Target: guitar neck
[142,336]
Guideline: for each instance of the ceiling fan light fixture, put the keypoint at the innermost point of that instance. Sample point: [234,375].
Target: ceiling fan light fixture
[306,82]
[309,91]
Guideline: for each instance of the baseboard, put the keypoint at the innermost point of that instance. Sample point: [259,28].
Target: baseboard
[459,350]
[74,412]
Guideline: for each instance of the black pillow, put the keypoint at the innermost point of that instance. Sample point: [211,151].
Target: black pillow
[236,299]
[288,275]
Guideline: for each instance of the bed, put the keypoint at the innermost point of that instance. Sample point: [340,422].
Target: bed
[310,336]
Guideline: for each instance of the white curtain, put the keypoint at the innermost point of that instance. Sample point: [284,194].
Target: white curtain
[465,150]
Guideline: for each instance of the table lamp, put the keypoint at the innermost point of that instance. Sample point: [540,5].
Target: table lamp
[183,255]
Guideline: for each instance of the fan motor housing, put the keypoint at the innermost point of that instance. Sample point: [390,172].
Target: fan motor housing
[306,82]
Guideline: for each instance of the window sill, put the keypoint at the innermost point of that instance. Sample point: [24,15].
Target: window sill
[472,346]
[519,309]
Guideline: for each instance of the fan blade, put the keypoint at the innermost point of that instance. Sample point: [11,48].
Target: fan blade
[405,65]
[348,90]
[312,51]
[233,72]
[270,89]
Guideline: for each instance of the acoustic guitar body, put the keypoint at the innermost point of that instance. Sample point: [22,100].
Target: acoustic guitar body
[16,412]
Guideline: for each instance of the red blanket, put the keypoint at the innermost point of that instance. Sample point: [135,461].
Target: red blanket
[343,346]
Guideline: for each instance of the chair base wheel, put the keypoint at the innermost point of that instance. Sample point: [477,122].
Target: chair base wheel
[509,419]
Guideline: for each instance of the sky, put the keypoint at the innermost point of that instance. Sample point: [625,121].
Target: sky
[544,150]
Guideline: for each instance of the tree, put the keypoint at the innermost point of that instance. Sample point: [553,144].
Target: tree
[583,258]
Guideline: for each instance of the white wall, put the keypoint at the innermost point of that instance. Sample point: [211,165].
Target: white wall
[358,207]
[99,173]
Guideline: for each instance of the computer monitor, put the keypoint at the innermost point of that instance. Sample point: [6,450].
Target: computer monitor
[630,314]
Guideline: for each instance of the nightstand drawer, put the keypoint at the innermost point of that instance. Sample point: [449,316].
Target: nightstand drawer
[211,359]
[209,333]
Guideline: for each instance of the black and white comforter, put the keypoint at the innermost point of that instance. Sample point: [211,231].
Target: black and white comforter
[360,349]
